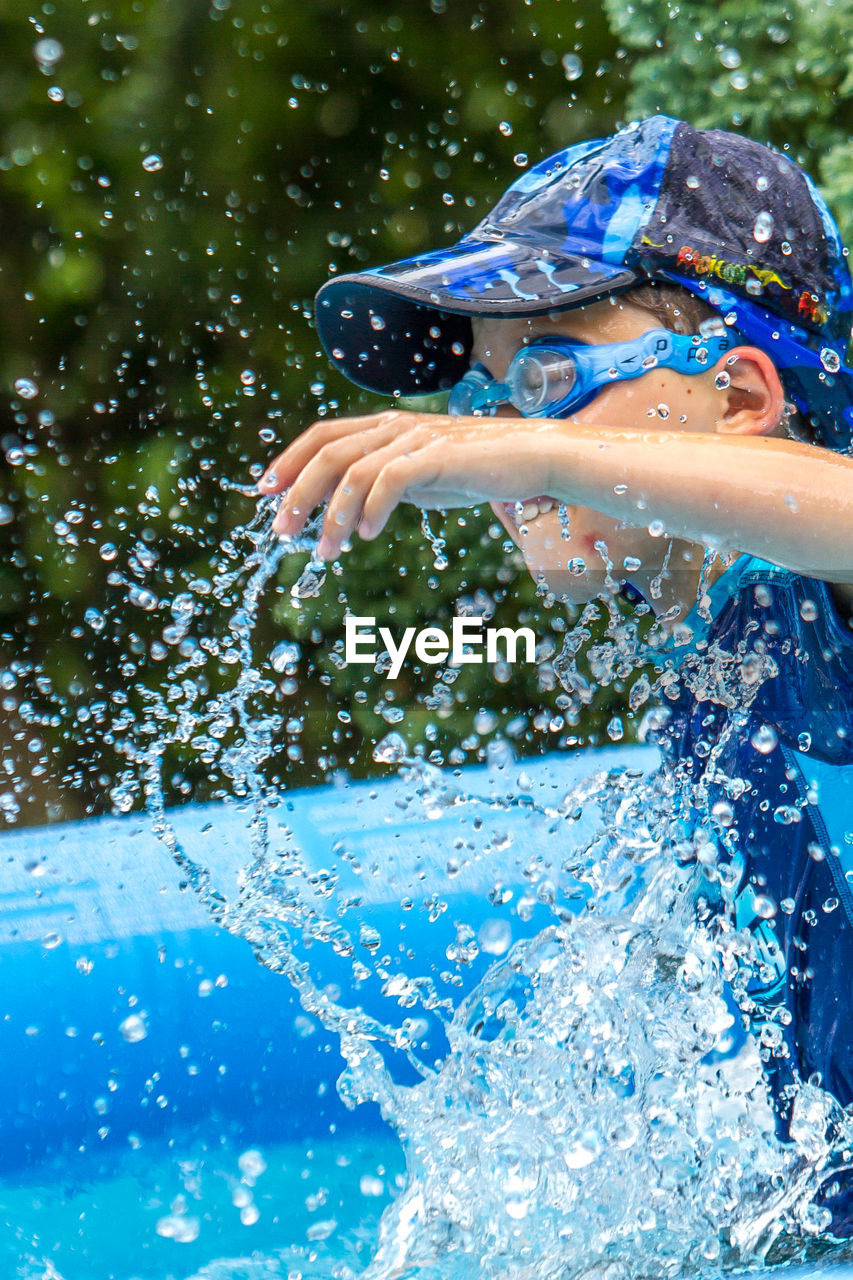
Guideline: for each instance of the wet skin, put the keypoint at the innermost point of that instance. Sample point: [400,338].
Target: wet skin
[717,470]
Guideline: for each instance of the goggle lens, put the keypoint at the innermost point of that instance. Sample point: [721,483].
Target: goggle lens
[537,379]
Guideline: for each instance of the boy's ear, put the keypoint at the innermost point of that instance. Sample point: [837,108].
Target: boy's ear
[754,398]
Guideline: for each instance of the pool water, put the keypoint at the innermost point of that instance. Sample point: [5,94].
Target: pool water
[200,1208]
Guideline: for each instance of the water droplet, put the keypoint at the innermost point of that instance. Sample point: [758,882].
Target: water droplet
[55,93]
[94,619]
[390,750]
[520,159]
[284,655]
[763,906]
[830,905]
[722,380]
[657,529]
[692,182]
[495,937]
[787,815]
[830,360]
[615,729]
[786,248]
[788,906]
[377,323]
[321,1230]
[134,1028]
[247,377]
[808,610]
[143,598]
[152,163]
[369,1185]
[47,53]
[723,812]
[26,388]
[804,741]
[730,59]
[763,228]
[7,515]
[663,410]
[177,1227]
[505,128]
[122,796]
[251,1165]
[572,66]
[764,739]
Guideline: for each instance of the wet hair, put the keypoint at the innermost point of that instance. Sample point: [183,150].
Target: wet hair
[681,311]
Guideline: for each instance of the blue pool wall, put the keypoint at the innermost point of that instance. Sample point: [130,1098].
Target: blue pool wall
[97,926]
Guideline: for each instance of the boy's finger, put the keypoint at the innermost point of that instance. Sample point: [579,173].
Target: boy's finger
[402,474]
[322,473]
[345,508]
[284,469]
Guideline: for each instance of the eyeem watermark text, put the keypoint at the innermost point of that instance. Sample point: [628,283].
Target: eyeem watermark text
[433,644]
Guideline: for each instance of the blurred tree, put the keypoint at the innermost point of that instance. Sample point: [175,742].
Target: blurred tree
[177,180]
[781,73]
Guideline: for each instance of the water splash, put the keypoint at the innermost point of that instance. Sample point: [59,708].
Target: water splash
[436,542]
[599,1108]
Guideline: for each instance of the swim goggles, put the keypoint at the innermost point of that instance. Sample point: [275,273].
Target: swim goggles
[551,377]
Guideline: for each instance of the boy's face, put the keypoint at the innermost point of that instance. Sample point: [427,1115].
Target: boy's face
[660,398]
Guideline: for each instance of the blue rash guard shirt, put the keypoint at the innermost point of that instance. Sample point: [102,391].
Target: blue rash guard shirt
[778,765]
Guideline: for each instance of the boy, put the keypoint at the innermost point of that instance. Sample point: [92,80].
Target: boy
[650,330]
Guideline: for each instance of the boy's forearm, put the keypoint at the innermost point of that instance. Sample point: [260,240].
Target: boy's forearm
[784,501]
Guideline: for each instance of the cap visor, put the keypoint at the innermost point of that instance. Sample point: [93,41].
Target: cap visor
[405,327]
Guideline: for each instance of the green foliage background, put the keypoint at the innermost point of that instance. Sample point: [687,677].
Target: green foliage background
[178,177]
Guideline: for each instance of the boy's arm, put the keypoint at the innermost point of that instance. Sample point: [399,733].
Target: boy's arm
[778,499]
[781,500]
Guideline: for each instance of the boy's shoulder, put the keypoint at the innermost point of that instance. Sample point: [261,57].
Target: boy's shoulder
[834,600]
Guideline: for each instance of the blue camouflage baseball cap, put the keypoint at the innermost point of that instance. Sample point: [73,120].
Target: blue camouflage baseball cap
[729,219]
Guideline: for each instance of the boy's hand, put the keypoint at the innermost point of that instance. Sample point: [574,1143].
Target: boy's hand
[364,467]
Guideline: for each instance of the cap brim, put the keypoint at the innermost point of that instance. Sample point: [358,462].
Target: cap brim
[405,328]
